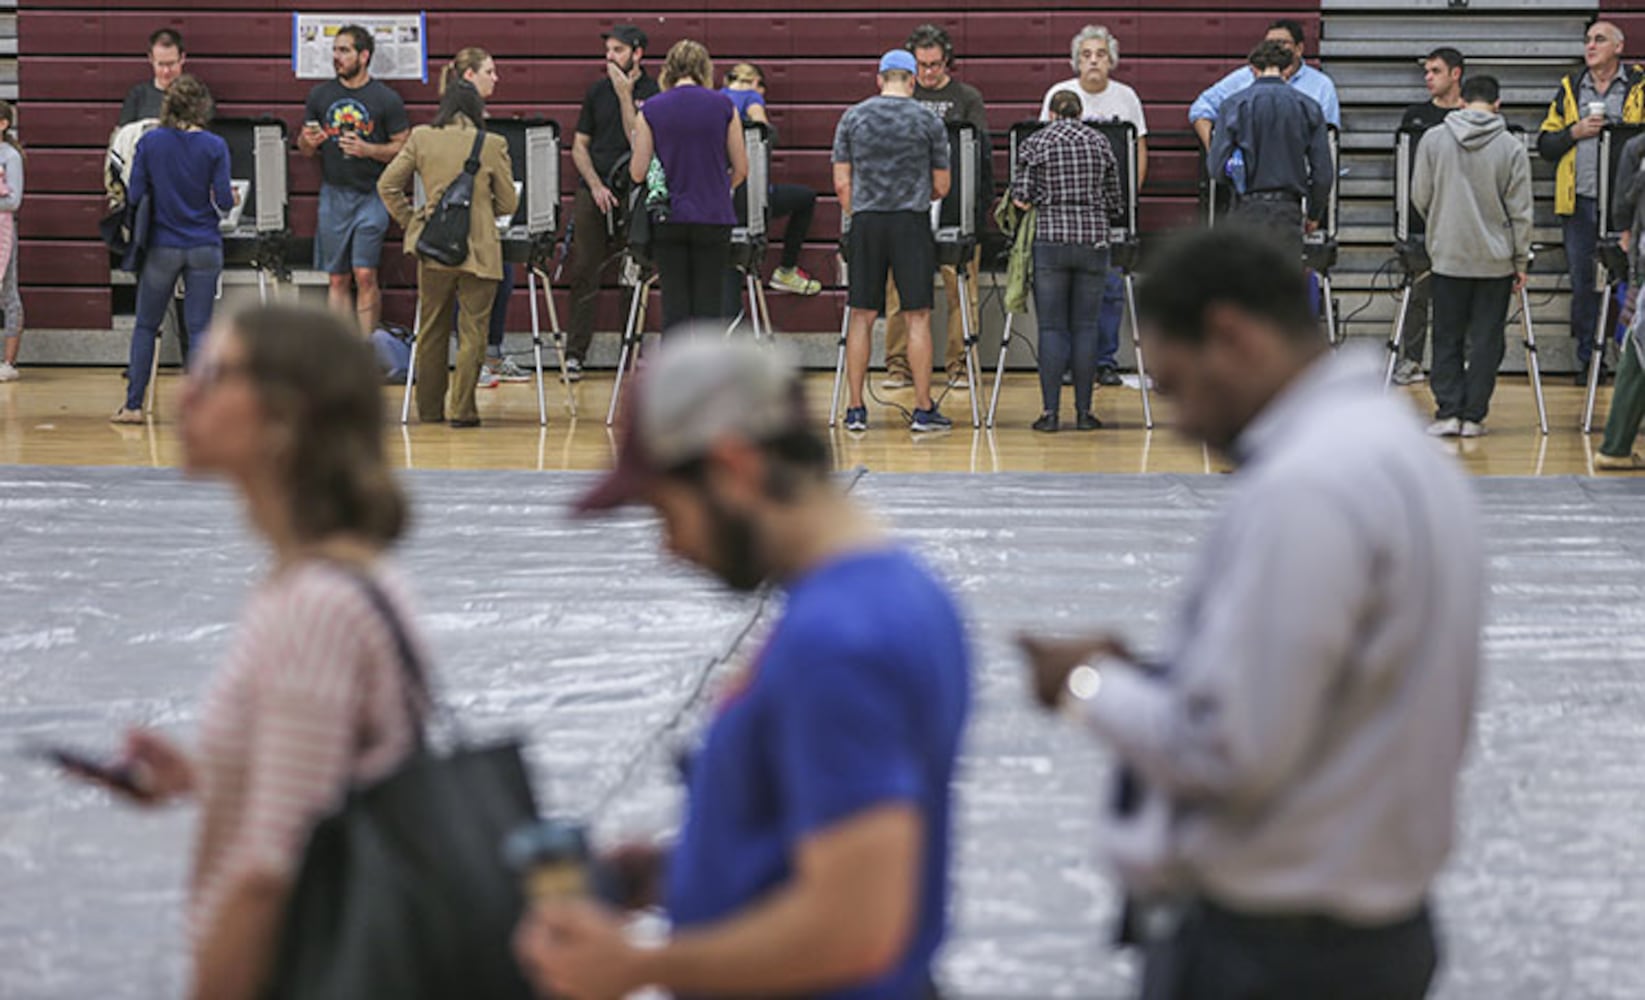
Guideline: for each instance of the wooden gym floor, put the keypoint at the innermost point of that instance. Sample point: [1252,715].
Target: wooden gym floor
[58,416]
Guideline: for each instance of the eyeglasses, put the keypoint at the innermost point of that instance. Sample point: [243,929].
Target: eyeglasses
[932,64]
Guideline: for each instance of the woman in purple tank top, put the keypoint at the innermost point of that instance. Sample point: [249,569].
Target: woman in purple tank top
[696,133]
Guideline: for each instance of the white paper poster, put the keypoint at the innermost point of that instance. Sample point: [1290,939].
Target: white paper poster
[401,44]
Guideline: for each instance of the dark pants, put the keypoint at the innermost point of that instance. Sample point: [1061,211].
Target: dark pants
[1581,230]
[199,267]
[1109,319]
[499,312]
[589,248]
[1217,954]
[799,204]
[1068,287]
[1469,314]
[1415,338]
[1274,214]
[691,261]
[1627,404]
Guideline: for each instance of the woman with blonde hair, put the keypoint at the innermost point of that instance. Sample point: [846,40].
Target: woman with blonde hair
[183,172]
[437,153]
[313,697]
[696,134]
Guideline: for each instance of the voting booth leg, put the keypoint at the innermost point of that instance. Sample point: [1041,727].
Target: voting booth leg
[411,365]
[969,340]
[1397,338]
[536,345]
[765,310]
[1531,360]
[839,362]
[1136,345]
[751,287]
[999,370]
[1602,338]
[1328,308]
[631,341]
[533,277]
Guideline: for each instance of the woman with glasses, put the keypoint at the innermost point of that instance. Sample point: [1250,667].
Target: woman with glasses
[286,405]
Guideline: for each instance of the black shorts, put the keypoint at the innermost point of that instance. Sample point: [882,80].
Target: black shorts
[898,243]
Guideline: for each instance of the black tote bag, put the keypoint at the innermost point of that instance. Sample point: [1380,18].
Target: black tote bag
[444,238]
[403,892]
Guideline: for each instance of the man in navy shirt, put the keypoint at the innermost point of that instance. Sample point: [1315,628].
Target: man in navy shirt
[814,855]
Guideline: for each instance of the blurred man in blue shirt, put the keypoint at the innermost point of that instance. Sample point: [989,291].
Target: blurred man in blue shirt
[1202,114]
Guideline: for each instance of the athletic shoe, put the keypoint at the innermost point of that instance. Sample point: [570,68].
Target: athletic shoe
[573,370]
[1472,429]
[926,421]
[125,416]
[896,378]
[793,279]
[1087,422]
[957,379]
[1449,427]
[9,373]
[856,418]
[487,380]
[1048,423]
[1619,463]
[1109,375]
[1408,372]
[463,423]
[508,371]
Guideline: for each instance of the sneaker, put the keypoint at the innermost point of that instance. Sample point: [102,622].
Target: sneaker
[507,371]
[1048,423]
[1449,427]
[9,373]
[793,279]
[1109,375]
[1472,429]
[573,370]
[897,379]
[856,418]
[1087,422]
[488,378]
[1619,463]
[1408,372]
[926,421]
[957,379]
[125,416]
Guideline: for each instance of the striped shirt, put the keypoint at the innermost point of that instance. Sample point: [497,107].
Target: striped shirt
[309,702]
[1067,171]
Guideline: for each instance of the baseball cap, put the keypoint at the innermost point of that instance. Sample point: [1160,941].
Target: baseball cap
[629,35]
[899,59]
[700,389]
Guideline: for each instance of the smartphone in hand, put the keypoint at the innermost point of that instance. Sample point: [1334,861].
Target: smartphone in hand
[121,776]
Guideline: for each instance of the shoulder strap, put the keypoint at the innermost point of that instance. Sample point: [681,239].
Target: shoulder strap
[472,165]
[419,699]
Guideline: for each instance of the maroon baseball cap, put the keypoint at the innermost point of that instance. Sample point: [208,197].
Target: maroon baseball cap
[699,390]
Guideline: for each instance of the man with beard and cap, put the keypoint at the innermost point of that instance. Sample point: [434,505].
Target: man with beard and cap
[814,855]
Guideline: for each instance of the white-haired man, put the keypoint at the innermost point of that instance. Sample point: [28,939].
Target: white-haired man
[1093,53]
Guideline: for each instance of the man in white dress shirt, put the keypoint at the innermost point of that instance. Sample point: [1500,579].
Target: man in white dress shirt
[1288,767]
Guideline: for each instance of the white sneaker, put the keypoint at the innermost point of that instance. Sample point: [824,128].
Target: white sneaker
[896,379]
[573,370]
[9,373]
[1472,430]
[1408,372]
[1449,427]
[957,379]
[487,380]
[508,371]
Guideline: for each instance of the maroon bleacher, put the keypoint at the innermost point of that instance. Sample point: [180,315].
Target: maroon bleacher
[77,60]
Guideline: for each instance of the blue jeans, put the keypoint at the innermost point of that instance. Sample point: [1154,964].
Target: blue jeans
[1068,286]
[1108,321]
[199,268]
[1581,231]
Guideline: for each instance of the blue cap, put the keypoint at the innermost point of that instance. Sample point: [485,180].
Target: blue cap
[898,59]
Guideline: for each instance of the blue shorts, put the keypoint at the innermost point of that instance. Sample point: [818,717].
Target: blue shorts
[350,230]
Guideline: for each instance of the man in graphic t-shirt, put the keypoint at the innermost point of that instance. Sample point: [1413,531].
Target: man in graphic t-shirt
[356,125]
[814,856]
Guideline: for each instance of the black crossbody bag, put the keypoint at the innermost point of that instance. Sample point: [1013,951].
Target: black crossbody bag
[444,238]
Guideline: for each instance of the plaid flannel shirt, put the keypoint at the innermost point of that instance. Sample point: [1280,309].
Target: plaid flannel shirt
[1068,172]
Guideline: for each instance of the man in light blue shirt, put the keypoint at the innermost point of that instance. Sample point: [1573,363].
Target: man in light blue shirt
[1202,114]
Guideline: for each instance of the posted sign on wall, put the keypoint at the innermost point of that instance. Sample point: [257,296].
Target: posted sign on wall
[401,44]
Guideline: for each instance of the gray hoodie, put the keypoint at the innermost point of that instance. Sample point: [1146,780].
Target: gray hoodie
[1473,186]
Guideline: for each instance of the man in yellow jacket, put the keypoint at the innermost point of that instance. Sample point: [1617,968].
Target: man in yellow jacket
[1603,92]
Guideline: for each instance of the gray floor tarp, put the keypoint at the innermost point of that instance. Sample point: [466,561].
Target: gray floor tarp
[119,589]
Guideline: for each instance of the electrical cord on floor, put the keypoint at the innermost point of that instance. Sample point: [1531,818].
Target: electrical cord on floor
[699,684]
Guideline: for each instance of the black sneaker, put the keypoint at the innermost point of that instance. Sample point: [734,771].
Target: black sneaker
[856,418]
[1109,375]
[1048,423]
[926,421]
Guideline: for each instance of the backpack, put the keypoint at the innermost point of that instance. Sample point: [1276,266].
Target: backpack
[117,223]
[393,346]
[444,239]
